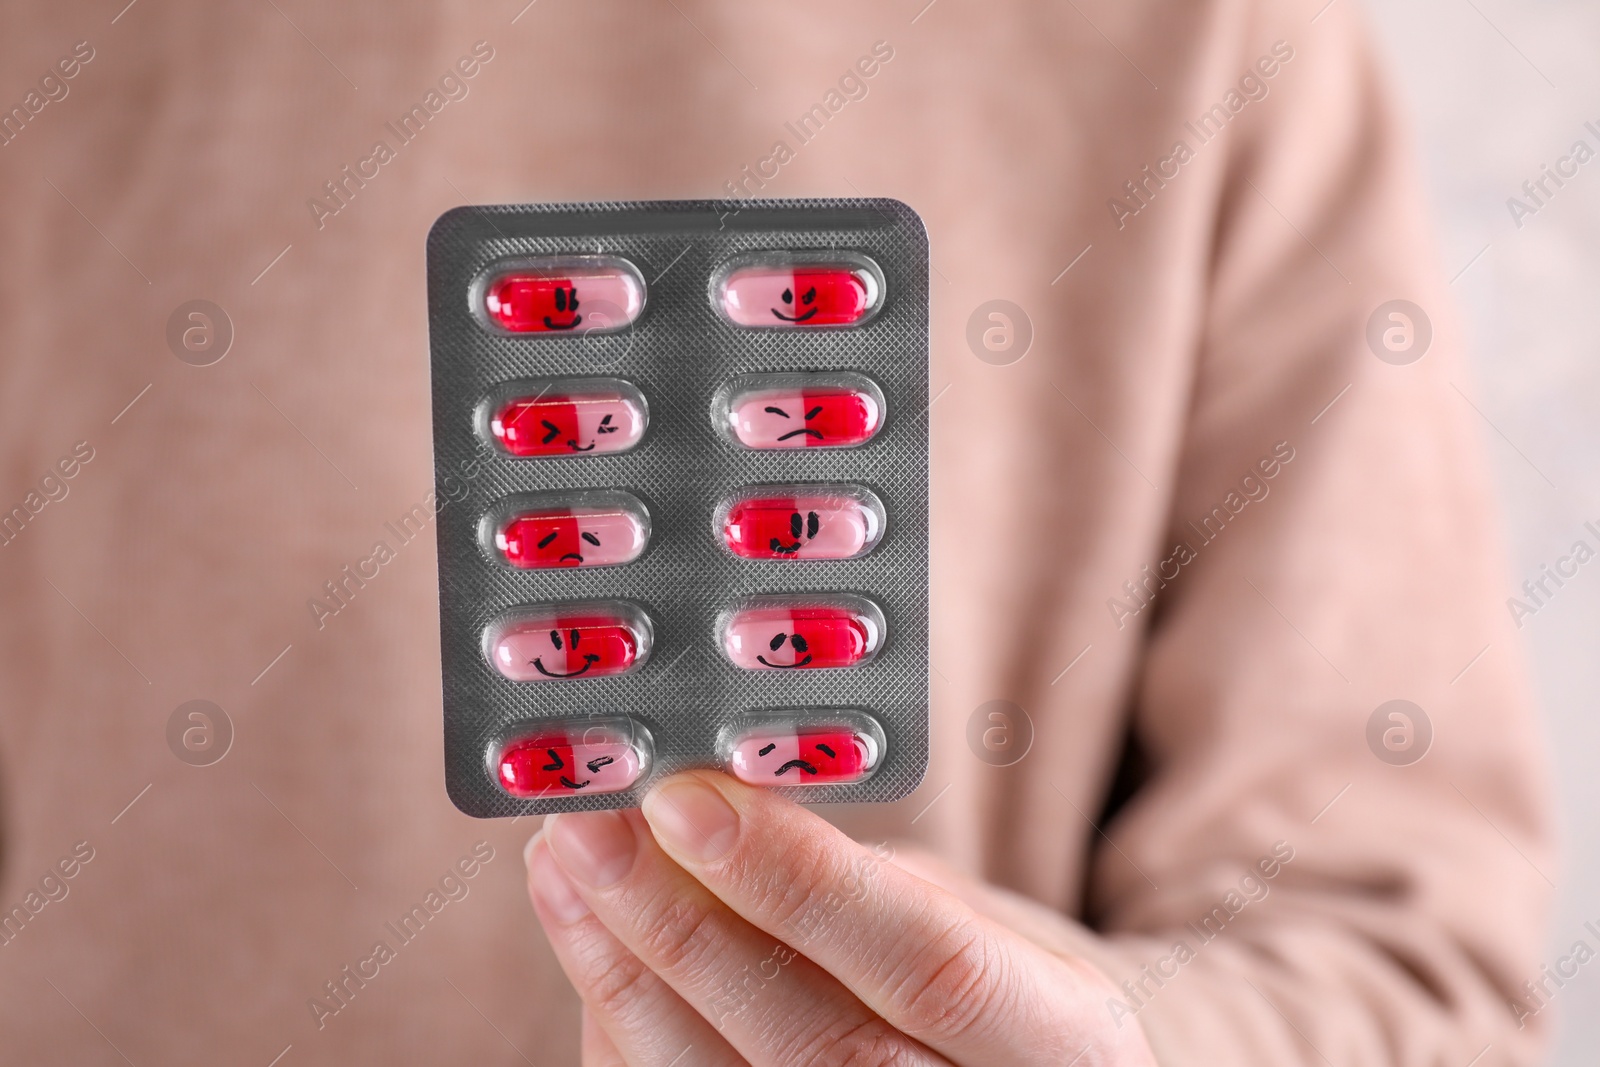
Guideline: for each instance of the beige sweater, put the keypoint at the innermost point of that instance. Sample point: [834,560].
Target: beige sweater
[1199,531]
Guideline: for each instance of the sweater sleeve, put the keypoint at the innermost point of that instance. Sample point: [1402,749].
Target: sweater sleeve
[1343,879]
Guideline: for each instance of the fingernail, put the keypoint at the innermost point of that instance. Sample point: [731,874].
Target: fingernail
[595,847]
[551,884]
[691,818]
[527,850]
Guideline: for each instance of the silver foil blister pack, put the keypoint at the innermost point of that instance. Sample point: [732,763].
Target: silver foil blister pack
[684,446]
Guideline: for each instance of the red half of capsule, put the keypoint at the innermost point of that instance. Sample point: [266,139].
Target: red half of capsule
[815,417]
[800,527]
[566,764]
[798,637]
[560,298]
[541,648]
[567,423]
[789,756]
[799,295]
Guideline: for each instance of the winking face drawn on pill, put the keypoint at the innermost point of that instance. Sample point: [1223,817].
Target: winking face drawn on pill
[808,298]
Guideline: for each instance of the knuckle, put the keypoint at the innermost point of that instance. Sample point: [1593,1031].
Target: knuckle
[615,985]
[680,936]
[954,986]
[872,1043]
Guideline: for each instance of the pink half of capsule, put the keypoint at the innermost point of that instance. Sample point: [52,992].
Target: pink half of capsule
[567,423]
[559,764]
[561,298]
[787,296]
[801,756]
[562,647]
[800,637]
[570,537]
[800,527]
[819,417]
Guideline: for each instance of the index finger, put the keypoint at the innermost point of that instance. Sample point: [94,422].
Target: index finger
[913,953]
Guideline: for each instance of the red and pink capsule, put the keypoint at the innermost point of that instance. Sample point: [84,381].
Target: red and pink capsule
[802,522]
[785,291]
[562,761]
[802,633]
[595,529]
[556,295]
[803,411]
[564,642]
[566,418]
[790,754]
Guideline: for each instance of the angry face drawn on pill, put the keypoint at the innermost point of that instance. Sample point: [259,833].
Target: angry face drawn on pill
[798,431]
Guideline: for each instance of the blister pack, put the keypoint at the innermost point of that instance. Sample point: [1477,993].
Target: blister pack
[684,450]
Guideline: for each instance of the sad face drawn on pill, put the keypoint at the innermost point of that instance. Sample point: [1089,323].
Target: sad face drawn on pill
[785,756]
[607,530]
[570,654]
[548,545]
[808,299]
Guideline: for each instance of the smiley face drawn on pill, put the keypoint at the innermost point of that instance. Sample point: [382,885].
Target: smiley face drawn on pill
[537,646]
[566,301]
[589,659]
[809,525]
[795,641]
[808,299]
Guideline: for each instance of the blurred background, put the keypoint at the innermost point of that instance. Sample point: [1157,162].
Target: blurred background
[1498,91]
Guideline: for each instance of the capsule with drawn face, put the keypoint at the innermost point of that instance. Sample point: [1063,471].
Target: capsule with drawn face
[816,410]
[779,290]
[801,522]
[558,760]
[565,642]
[563,294]
[556,417]
[596,528]
[802,632]
[780,754]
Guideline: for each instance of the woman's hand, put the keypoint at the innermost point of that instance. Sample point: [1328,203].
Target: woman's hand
[726,925]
